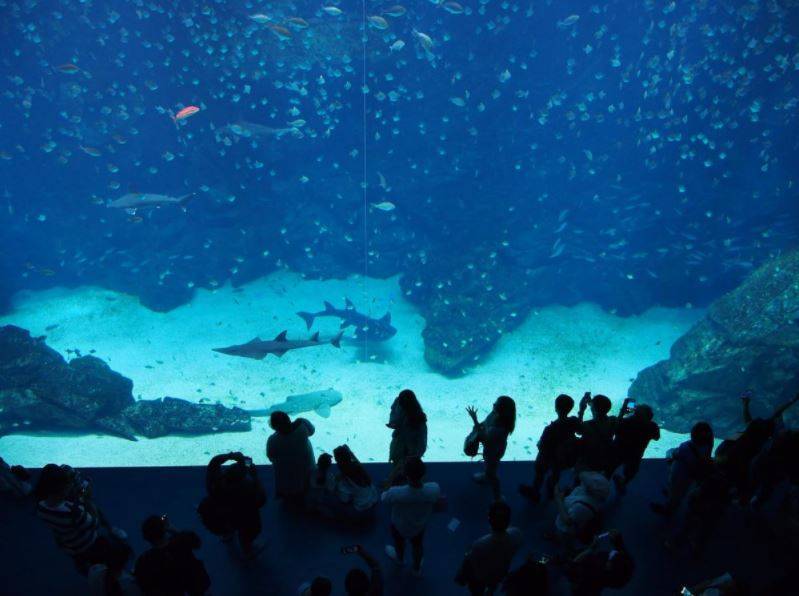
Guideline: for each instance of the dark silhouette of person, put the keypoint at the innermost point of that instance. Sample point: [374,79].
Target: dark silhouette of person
[65,504]
[688,463]
[290,451]
[488,559]
[604,564]
[737,454]
[411,508]
[557,450]
[357,495]
[235,497]
[169,567]
[408,424]
[636,428]
[596,441]
[493,434]
[357,582]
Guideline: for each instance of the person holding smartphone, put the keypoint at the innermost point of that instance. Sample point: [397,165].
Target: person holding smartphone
[357,582]
[235,497]
[636,429]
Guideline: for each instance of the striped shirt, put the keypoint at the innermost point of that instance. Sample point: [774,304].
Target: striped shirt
[74,528]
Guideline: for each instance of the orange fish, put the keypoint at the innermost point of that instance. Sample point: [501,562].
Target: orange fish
[185,113]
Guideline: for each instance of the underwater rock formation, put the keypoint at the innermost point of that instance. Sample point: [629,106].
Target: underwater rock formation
[39,390]
[748,340]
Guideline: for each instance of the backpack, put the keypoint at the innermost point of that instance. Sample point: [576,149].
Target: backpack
[472,443]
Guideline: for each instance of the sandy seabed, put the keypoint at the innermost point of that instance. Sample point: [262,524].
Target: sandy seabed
[556,349]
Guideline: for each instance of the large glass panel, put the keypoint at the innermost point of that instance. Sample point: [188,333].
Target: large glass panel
[466,199]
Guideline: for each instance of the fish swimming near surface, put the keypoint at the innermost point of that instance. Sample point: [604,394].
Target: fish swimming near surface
[144,200]
[365,327]
[258,348]
[315,401]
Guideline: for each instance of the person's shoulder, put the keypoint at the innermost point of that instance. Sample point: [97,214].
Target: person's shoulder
[516,535]
[394,492]
[431,491]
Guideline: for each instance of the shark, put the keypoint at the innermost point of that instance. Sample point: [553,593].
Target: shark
[316,401]
[258,348]
[365,327]
[143,200]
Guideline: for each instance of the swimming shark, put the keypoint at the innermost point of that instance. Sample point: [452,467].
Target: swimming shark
[258,348]
[317,401]
[142,200]
[365,327]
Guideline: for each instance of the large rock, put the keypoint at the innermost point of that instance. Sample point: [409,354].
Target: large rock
[39,390]
[749,340]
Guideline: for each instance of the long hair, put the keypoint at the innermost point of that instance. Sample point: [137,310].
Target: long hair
[505,408]
[412,408]
[350,467]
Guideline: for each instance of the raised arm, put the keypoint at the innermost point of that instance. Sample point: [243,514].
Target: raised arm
[584,401]
[746,400]
[781,410]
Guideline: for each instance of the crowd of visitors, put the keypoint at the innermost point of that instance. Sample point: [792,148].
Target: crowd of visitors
[582,466]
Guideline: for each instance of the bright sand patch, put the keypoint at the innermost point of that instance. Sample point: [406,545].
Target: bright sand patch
[557,349]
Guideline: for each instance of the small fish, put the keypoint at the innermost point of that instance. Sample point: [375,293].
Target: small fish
[453,7]
[282,33]
[377,22]
[568,21]
[395,11]
[185,113]
[260,18]
[67,68]
[333,11]
[397,46]
[93,151]
[424,40]
[297,22]
[384,206]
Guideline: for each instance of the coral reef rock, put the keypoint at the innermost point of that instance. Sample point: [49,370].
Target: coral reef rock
[39,390]
[747,341]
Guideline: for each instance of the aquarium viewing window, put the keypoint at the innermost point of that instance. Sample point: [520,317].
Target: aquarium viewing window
[210,214]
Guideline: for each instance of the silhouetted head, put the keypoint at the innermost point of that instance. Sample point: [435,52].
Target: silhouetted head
[235,473]
[350,467]
[321,586]
[600,406]
[280,422]
[357,582]
[324,461]
[155,529]
[505,408]
[410,405]
[54,482]
[644,412]
[415,470]
[499,516]
[563,405]
[702,434]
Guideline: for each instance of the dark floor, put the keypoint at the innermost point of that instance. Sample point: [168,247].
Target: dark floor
[298,548]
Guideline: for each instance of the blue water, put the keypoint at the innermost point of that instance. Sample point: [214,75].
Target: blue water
[497,156]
